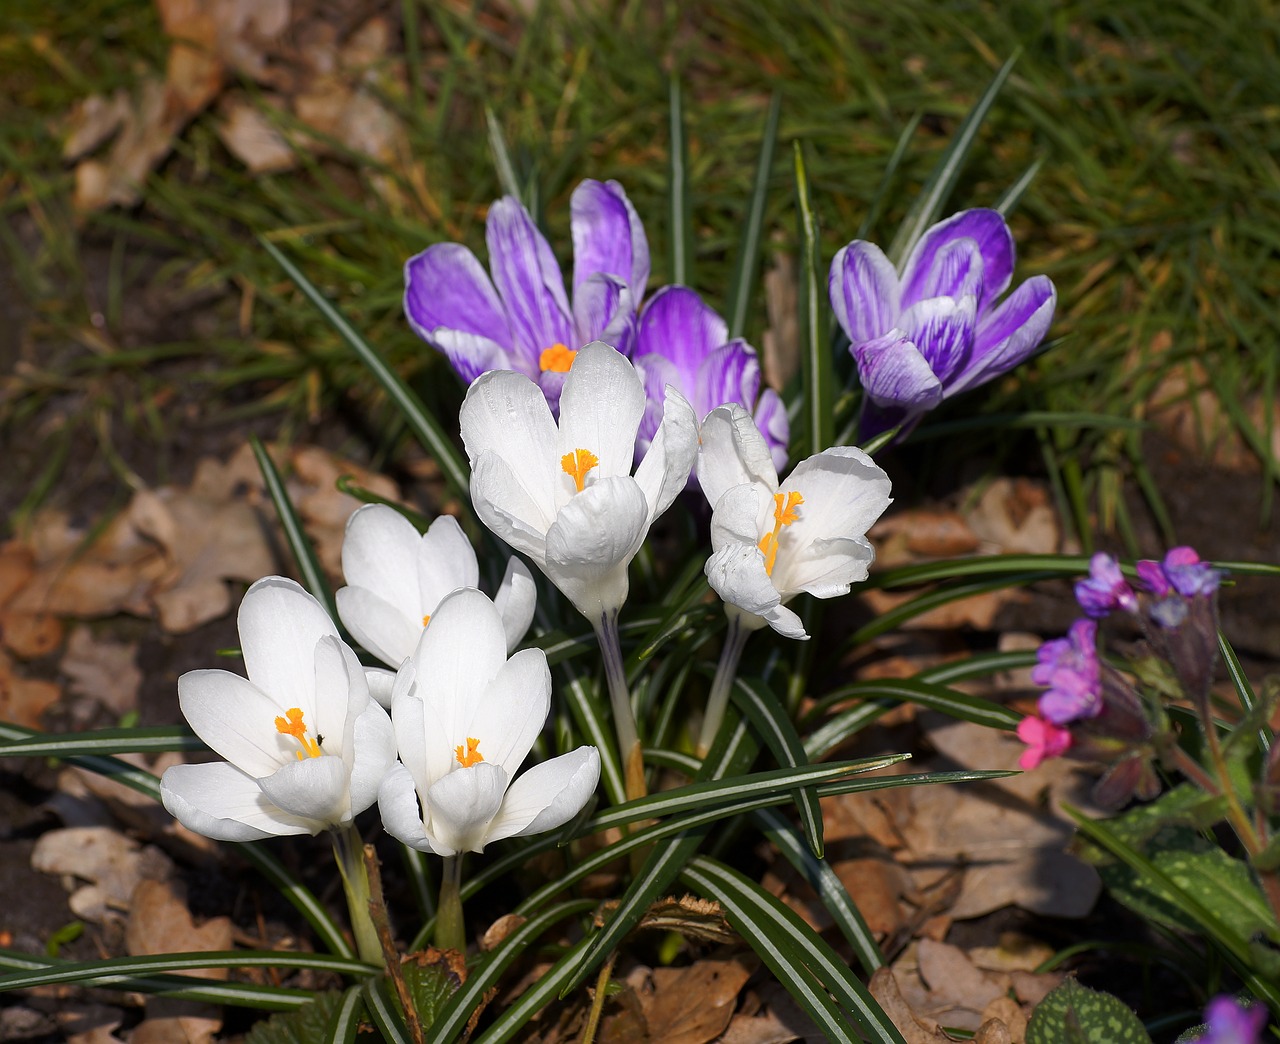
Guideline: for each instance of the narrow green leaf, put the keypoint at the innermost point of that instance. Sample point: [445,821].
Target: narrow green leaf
[936,697]
[928,205]
[332,1016]
[346,1020]
[502,158]
[888,172]
[681,211]
[151,740]
[430,434]
[1248,698]
[309,568]
[551,983]
[777,933]
[1013,194]
[594,725]
[382,1011]
[1017,569]
[761,707]
[452,1018]
[815,350]
[746,262]
[828,886]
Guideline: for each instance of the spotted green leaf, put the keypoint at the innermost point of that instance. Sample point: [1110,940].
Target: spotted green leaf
[1075,1014]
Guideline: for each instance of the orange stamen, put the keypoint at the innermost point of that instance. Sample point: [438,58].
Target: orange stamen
[577,464]
[785,512]
[472,754]
[558,358]
[426,620]
[294,726]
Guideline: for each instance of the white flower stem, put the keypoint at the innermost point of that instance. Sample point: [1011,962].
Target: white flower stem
[735,640]
[624,720]
[348,850]
[450,933]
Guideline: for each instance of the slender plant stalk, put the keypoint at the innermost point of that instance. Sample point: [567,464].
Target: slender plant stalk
[390,955]
[735,641]
[597,1001]
[450,933]
[624,720]
[348,850]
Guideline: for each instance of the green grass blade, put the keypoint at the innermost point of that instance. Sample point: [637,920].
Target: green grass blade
[453,1017]
[1035,567]
[502,158]
[746,263]
[956,704]
[591,720]
[787,945]
[309,568]
[757,701]
[681,245]
[300,896]
[1012,196]
[815,350]
[382,1012]
[928,205]
[551,984]
[887,175]
[154,739]
[104,765]
[430,434]
[829,888]
[1248,698]
[346,1020]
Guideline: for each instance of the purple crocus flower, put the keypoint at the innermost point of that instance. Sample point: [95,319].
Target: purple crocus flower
[934,329]
[1105,589]
[521,319]
[682,341]
[1069,667]
[1230,1022]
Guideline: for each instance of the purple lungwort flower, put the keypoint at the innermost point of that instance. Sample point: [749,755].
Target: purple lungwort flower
[683,342]
[521,319]
[1230,1022]
[1069,667]
[934,329]
[1182,572]
[1106,588]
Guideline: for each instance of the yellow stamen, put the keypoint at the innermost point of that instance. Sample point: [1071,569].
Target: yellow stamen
[426,620]
[785,511]
[471,755]
[294,726]
[577,464]
[558,358]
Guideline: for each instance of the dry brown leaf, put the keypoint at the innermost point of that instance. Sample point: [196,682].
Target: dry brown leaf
[1007,1013]
[112,864]
[1016,516]
[103,670]
[993,1031]
[693,1005]
[29,635]
[914,1029]
[253,139]
[92,121]
[17,567]
[929,532]
[24,700]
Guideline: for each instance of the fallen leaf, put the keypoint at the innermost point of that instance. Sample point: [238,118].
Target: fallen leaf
[914,1029]
[1016,516]
[112,864]
[693,1005]
[24,700]
[103,670]
[253,139]
[92,121]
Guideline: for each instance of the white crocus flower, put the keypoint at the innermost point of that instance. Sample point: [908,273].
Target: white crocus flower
[397,577]
[772,541]
[465,718]
[305,746]
[563,494]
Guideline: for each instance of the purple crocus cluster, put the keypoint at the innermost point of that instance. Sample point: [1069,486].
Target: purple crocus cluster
[519,317]
[936,328]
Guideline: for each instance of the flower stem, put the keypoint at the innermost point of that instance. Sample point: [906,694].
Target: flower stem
[348,850]
[735,640]
[624,720]
[450,932]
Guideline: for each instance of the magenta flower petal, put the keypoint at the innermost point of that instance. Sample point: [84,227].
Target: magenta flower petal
[993,240]
[1106,589]
[864,291]
[1231,1022]
[528,278]
[608,237]
[1043,739]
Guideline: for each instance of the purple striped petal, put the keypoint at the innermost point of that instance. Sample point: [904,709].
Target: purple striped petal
[942,329]
[994,241]
[604,310]
[1009,333]
[678,325]
[895,374]
[529,280]
[774,424]
[451,304]
[607,236]
[656,372]
[956,272]
[864,291]
[729,374]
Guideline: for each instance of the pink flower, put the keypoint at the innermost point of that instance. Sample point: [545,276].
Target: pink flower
[1043,738]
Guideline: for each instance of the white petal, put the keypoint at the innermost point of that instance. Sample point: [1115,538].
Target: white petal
[664,472]
[235,719]
[219,801]
[786,623]
[446,561]
[381,684]
[548,795]
[506,414]
[383,629]
[380,554]
[408,720]
[280,625]
[312,788]
[736,572]
[398,806]
[516,600]
[828,568]
[507,507]
[374,750]
[732,452]
[512,712]
[463,803]
[600,410]
[740,516]
[341,695]
[592,542]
